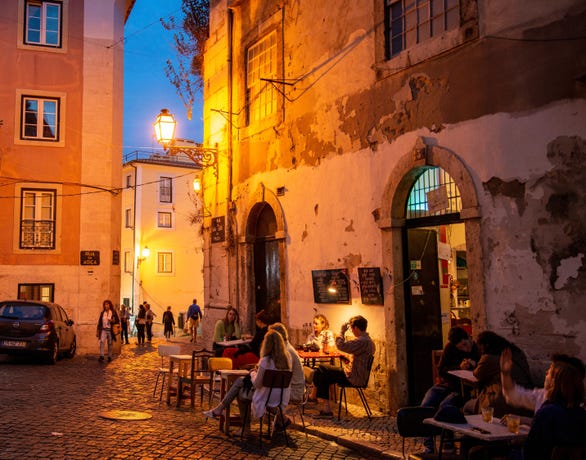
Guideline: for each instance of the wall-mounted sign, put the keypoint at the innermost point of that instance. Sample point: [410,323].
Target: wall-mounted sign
[89,257]
[218,229]
[371,285]
[115,257]
[331,286]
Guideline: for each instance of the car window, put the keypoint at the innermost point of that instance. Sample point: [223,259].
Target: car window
[33,312]
[62,313]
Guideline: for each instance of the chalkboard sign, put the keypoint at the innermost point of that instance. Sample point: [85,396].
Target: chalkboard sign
[89,257]
[371,285]
[218,229]
[331,286]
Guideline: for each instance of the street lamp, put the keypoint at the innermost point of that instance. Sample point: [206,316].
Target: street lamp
[204,157]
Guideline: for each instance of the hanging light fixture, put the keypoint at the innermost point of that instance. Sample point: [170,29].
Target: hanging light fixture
[165,128]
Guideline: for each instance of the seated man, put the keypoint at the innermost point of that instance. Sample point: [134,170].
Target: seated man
[459,353]
[354,371]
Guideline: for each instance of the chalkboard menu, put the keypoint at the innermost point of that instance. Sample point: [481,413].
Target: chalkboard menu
[331,286]
[218,229]
[371,285]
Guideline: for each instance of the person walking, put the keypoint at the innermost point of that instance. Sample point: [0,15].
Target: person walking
[108,317]
[168,322]
[124,320]
[149,318]
[194,315]
[140,323]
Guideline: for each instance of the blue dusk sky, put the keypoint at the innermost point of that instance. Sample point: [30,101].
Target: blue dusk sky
[147,90]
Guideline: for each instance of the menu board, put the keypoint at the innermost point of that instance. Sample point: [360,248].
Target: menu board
[331,286]
[218,229]
[371,285]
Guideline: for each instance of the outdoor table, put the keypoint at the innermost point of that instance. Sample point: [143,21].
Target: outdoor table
[183,363]
[479,429]
[466,378]
[310,357]
[228,377]
[234,343]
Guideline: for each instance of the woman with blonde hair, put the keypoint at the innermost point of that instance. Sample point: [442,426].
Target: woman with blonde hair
[273,355]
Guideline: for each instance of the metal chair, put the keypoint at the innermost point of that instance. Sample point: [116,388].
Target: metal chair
[164,352]
[274,380]
[360,389]
[410,425]
[199,375]
[216,364]
[300,405]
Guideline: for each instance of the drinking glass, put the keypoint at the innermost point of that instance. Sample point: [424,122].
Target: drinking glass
[487,413]
[513,423]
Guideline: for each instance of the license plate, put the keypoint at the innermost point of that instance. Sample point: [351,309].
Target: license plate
[14,343]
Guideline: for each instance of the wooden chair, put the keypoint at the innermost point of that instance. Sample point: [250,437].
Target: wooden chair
[274,380]
[216,364]
[436,356]
[360,389]
[199,375]
[164,352]
[410,425]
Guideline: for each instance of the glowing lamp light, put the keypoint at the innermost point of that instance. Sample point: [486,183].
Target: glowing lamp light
[165,127]
[145,252]
[197,185]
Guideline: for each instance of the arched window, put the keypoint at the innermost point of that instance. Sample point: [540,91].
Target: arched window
[434,193]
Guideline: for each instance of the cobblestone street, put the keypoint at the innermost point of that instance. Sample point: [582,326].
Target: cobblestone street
[52,412]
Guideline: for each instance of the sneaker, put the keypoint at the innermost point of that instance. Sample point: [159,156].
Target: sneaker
[101,359]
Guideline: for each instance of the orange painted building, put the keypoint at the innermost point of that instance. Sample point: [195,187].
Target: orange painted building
[60,154]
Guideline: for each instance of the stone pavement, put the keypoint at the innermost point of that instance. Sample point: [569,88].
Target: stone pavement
[51,412]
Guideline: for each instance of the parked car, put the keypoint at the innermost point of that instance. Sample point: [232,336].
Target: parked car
[35,327]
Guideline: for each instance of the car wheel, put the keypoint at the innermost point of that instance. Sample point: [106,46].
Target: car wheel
[53,353]
[71,352]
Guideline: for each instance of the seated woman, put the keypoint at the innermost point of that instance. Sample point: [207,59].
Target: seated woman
[321,334]
[248,354]
[561,420]
[488,373]
[226,329]
[274,355]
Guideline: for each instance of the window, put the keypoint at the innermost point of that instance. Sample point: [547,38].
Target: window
[165,262]
[434,193]
[43,23]
[129,181]
[128,262]
[44,292]
[261,63]
[37,222]
[128,218]
[409,22]
[164,219]
[165,190]
[40,118]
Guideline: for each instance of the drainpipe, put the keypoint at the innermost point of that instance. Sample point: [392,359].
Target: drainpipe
[133,238]
[232,219]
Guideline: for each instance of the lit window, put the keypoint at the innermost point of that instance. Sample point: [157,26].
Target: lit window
[261,97]
[43,292]
[164,219]
[40,118]
[165,190]
[165,262]
[409,22]
[37,224]
[434,193]
[43,23]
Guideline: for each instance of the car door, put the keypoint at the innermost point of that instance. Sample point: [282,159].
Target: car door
[66,332]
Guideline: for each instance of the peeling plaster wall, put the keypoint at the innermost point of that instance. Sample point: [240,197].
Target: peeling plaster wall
[512,111]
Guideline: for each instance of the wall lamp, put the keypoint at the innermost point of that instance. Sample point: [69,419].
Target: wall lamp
[204,157]
[143,255]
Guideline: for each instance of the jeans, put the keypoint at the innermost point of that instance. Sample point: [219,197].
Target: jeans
[106,336]
[438,396]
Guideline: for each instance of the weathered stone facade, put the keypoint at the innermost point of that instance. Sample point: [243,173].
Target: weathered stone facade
[498,103]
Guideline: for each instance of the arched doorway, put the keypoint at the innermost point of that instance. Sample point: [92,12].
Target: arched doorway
[263,255]
[267,269]
[436,246]
[399,223]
